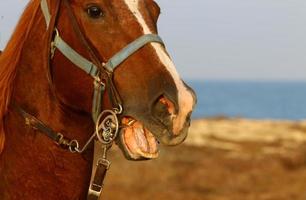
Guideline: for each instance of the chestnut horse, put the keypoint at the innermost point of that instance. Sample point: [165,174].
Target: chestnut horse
[50,108]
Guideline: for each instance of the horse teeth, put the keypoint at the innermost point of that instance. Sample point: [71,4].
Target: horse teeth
[141,139]
[131,122]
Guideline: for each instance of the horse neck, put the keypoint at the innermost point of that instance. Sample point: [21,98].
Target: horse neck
[30,159]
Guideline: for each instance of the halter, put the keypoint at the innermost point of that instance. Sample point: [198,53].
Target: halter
[106,121]
[89,67]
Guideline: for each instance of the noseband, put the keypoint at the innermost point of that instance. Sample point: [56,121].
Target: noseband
[107,123]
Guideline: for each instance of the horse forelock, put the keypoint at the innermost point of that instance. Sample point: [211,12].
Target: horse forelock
[9,60]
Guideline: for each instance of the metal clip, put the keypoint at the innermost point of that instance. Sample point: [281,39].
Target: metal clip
[53,45]
[72,145]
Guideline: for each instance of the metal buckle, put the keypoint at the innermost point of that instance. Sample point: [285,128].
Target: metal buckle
[96,184]
[97,80]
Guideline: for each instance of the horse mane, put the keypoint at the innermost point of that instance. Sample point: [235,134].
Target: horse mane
[9,60]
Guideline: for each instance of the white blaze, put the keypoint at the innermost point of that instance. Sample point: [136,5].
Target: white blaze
[184,96]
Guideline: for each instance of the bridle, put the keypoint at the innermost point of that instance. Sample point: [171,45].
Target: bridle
[106,121]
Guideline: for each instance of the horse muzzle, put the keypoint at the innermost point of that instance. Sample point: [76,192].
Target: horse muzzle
[140,137]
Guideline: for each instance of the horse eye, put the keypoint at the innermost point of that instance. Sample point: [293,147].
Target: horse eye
[94,11]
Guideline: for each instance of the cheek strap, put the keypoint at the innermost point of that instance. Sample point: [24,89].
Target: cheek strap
[58,43]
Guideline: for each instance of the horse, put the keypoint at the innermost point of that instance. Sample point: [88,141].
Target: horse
[77,74]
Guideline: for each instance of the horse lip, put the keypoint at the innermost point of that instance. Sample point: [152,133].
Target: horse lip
[170,139]
[167,138]
[121,142]
[162,134]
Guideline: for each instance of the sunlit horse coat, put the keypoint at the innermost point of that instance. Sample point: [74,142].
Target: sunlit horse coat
[58,93]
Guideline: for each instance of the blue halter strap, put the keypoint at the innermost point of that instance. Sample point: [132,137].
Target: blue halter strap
[130,49]
[89,67]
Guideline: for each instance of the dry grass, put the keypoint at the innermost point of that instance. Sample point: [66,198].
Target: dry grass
[223,159]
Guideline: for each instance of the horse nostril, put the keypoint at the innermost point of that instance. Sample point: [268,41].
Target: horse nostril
[164,110]
[168,104]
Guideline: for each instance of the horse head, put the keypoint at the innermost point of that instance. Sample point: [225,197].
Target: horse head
[156,103]
[75,67]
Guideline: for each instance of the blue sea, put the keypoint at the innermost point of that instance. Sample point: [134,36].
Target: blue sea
[257,100]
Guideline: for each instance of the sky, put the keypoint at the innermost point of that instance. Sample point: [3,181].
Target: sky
[222,39]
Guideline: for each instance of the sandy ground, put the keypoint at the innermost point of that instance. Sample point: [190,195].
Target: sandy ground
[222,159]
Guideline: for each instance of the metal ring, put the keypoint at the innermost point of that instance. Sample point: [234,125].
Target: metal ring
[56,32]
[73,146]
[118,110]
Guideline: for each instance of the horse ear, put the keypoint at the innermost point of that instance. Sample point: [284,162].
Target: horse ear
[154,10]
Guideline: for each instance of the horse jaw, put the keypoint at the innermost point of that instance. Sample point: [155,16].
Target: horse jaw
[137,142]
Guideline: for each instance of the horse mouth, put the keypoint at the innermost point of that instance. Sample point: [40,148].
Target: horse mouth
[138,143]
